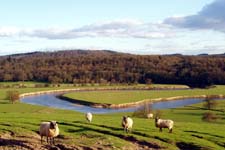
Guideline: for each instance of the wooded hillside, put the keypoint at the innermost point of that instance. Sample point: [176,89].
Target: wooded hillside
[78,66]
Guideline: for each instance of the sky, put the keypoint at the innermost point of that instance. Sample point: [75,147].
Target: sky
[188,27]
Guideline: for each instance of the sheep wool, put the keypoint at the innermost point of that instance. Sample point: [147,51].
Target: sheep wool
[161,123]
[150,115]
[88,116]
[50,130]
[127,123]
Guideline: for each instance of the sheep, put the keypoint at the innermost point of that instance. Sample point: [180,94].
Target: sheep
[150,115]
[160,123]
[50,130]
[88,116]
[127,123]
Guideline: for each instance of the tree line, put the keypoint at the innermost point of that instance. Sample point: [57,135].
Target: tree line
[82,66]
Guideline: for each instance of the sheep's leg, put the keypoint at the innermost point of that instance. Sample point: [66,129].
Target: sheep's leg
[171,130]
[41,139]
[50,141]
[160,129]
[47,138]
[130,130]
[53,141]
[125,129]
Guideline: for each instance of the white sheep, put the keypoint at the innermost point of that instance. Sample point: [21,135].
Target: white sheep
[88,116]
[127,123]
[160,123]
[150,115]
[50,130]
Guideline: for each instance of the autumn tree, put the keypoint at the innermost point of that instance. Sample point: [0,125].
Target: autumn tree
[112,67]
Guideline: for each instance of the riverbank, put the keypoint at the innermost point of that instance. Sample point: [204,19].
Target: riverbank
[124,99]
[138,103]
[81,89]
[140,91]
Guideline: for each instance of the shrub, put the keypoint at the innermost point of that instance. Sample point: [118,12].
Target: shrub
[13,96]
[209,116]
[39,85]
[46,85]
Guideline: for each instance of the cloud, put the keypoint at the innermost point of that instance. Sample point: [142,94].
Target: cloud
[8,31]
[118,28]
[212,16]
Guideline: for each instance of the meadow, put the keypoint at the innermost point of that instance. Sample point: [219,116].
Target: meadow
[127,96]
[19,125]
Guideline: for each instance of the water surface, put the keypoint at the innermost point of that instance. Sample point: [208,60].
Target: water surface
[51,100]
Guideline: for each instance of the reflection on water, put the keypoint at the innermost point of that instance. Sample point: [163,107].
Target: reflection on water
[52,101]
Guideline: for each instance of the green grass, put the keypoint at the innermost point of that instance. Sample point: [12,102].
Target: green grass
[189,129]
[118,97]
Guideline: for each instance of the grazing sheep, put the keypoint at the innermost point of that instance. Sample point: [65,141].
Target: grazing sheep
[127,123]
[88,116]
[160,123]
[50,130]
[150,115]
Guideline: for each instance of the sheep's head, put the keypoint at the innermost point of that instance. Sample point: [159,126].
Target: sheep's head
[53,124]
[125,118]
[156,118]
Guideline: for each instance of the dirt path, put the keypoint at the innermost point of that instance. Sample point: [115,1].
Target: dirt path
[10,141]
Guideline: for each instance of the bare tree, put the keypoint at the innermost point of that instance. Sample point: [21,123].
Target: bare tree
[209,103]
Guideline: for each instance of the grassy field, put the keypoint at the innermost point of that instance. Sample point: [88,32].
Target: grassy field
[118,97]
[19,125]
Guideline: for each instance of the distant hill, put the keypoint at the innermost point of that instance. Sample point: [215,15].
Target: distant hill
[65,53]
[105,66]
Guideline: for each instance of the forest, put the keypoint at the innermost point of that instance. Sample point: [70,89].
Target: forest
[109,67]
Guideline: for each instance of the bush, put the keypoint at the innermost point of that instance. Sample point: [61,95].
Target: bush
[13,96]
[39,85]
[209,116]
[46,85]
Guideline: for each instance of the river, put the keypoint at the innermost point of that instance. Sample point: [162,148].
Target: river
[51,100]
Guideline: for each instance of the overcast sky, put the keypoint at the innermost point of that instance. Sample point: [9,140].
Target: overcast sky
[138,26]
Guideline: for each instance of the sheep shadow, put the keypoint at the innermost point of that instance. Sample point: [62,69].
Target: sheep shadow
[83,127]
[116,129]
[121,129]
[97,125]
[12,142]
